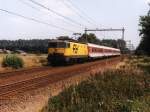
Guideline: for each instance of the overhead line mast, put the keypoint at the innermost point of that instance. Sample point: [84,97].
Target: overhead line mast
[58,14]
[35,20]
[122,30]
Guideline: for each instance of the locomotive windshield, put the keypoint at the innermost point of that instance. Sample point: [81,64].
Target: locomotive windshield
[58,45]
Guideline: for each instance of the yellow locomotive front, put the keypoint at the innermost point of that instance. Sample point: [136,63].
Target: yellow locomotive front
[65,51]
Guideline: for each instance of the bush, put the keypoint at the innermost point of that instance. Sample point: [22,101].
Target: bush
[12,61]
[112,91]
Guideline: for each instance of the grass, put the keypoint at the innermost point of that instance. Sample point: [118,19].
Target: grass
[30,60]
[122,90]
[142,63]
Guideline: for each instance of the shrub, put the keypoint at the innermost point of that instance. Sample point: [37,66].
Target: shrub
[112,91]
[12,61]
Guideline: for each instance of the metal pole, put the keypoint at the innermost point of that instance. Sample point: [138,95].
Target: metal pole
[110,29]
[86,35]
[123,30]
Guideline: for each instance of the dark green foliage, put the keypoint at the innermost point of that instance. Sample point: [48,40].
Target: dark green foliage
[41,46]
[112,91]
[13,61]
[120,44]
[32,46]
[63,38]
[91,38]
[144,47]
[145,67]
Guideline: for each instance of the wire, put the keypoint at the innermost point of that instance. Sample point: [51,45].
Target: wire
[67,5]
[58,14]
[29,5]
[75,6]
[77,12]
[35,20]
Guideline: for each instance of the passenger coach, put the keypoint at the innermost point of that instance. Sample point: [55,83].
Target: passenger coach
[97,51]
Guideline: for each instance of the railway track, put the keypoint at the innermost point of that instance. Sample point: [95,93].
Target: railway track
[26,80]
[26,71]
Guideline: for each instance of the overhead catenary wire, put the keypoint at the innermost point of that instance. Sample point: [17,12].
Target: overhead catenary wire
[87,17]
[35,20]
[58,14]
[77,12]
[31,6]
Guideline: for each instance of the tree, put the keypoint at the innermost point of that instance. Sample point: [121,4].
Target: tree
[32,46]
[109,43]
[144,46]
[90,38]
[121,44]
[63,38]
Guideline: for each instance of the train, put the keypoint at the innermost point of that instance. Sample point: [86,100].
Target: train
[66,51]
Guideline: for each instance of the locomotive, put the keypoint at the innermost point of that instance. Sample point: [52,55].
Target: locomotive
[66,51]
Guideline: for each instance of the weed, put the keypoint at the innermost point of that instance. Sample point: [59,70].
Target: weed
[112,91]
[126,89]
[12,61]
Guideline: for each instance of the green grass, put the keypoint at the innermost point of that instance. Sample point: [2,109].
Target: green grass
[120,90]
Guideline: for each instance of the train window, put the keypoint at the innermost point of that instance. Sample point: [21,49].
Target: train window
[52,45]
[68,45]
[92,49]
[58,45]
[62,45]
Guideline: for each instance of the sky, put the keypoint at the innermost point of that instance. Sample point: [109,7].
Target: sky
[89,14]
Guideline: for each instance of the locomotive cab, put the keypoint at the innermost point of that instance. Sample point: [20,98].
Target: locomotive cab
[57,47]
[66,51]
[56,50]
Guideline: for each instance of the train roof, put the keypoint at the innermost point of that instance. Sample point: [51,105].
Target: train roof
[66,40]
[100,46]
[89,44]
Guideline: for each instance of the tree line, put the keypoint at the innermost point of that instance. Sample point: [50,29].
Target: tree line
[41,46]
[31,46]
